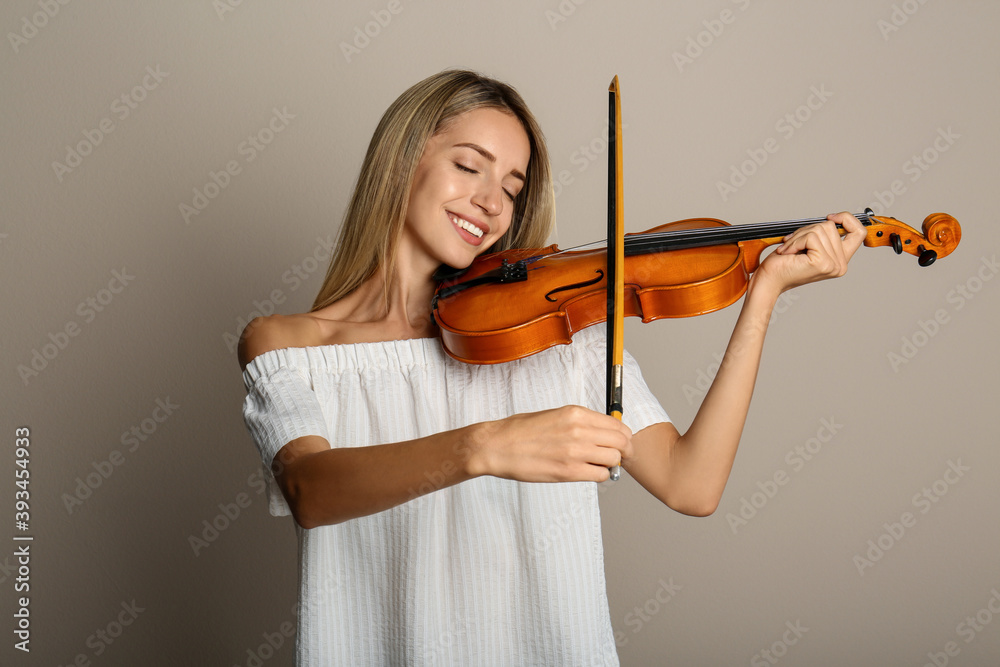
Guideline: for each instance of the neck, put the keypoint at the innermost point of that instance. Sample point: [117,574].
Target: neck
[399,304]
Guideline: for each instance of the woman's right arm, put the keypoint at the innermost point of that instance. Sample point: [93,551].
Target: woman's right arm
[325,485]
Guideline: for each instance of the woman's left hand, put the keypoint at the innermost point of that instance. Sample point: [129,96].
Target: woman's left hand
[812,253]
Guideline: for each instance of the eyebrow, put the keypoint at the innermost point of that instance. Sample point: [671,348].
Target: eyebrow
[491,157]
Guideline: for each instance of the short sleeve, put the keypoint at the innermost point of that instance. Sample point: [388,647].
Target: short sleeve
[280,406]
[640,408]
[638,400]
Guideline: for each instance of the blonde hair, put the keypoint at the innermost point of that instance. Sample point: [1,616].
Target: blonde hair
[374,219]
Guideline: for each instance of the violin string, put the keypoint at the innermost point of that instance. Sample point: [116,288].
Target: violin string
[718,235]
[735,229]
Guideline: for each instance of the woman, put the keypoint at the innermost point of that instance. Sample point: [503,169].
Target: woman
[405,471]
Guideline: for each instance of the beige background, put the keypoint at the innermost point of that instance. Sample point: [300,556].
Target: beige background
[895,78]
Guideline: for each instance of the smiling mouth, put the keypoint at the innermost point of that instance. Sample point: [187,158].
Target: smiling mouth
[466,225]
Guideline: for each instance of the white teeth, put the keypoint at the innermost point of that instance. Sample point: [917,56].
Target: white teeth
[467,226]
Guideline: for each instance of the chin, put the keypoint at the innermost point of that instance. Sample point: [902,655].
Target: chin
[456,264]
[462,260]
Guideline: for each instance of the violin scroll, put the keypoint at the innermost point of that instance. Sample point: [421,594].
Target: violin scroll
[941,235]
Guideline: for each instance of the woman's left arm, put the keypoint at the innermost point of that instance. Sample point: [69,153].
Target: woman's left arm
[689,472]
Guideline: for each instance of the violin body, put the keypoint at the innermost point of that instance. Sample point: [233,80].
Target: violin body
[569,292]
[513,304]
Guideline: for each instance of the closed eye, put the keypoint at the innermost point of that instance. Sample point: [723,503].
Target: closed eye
[468,170]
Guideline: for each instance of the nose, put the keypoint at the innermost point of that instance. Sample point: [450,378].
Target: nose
[489,198]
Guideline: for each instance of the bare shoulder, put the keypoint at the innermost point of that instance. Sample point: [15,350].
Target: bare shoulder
[275,332]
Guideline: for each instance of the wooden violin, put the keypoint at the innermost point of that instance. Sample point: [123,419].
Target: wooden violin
[512,304]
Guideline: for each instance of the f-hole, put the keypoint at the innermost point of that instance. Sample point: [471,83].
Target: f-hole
[599,278]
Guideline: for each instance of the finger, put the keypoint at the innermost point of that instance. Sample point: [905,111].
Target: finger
[601,421]
[833,258]
[832,244]
[796,241]
[605,457]
[856,232]
[820,248]
[611,443]
[821,237]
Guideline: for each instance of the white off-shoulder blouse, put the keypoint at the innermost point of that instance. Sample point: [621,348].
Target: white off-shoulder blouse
[486,572]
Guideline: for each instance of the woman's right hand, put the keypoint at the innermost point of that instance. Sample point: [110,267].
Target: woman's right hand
[567,444]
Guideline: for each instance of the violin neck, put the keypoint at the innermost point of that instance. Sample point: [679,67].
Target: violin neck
[639,244]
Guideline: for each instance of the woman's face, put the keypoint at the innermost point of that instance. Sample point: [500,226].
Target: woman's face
[464,187]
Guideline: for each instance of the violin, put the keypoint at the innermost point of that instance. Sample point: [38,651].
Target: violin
[512,304]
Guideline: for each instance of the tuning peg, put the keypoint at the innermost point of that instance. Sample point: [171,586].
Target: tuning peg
[897,243]
[926,257]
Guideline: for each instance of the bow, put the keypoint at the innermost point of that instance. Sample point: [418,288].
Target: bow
[616,260]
